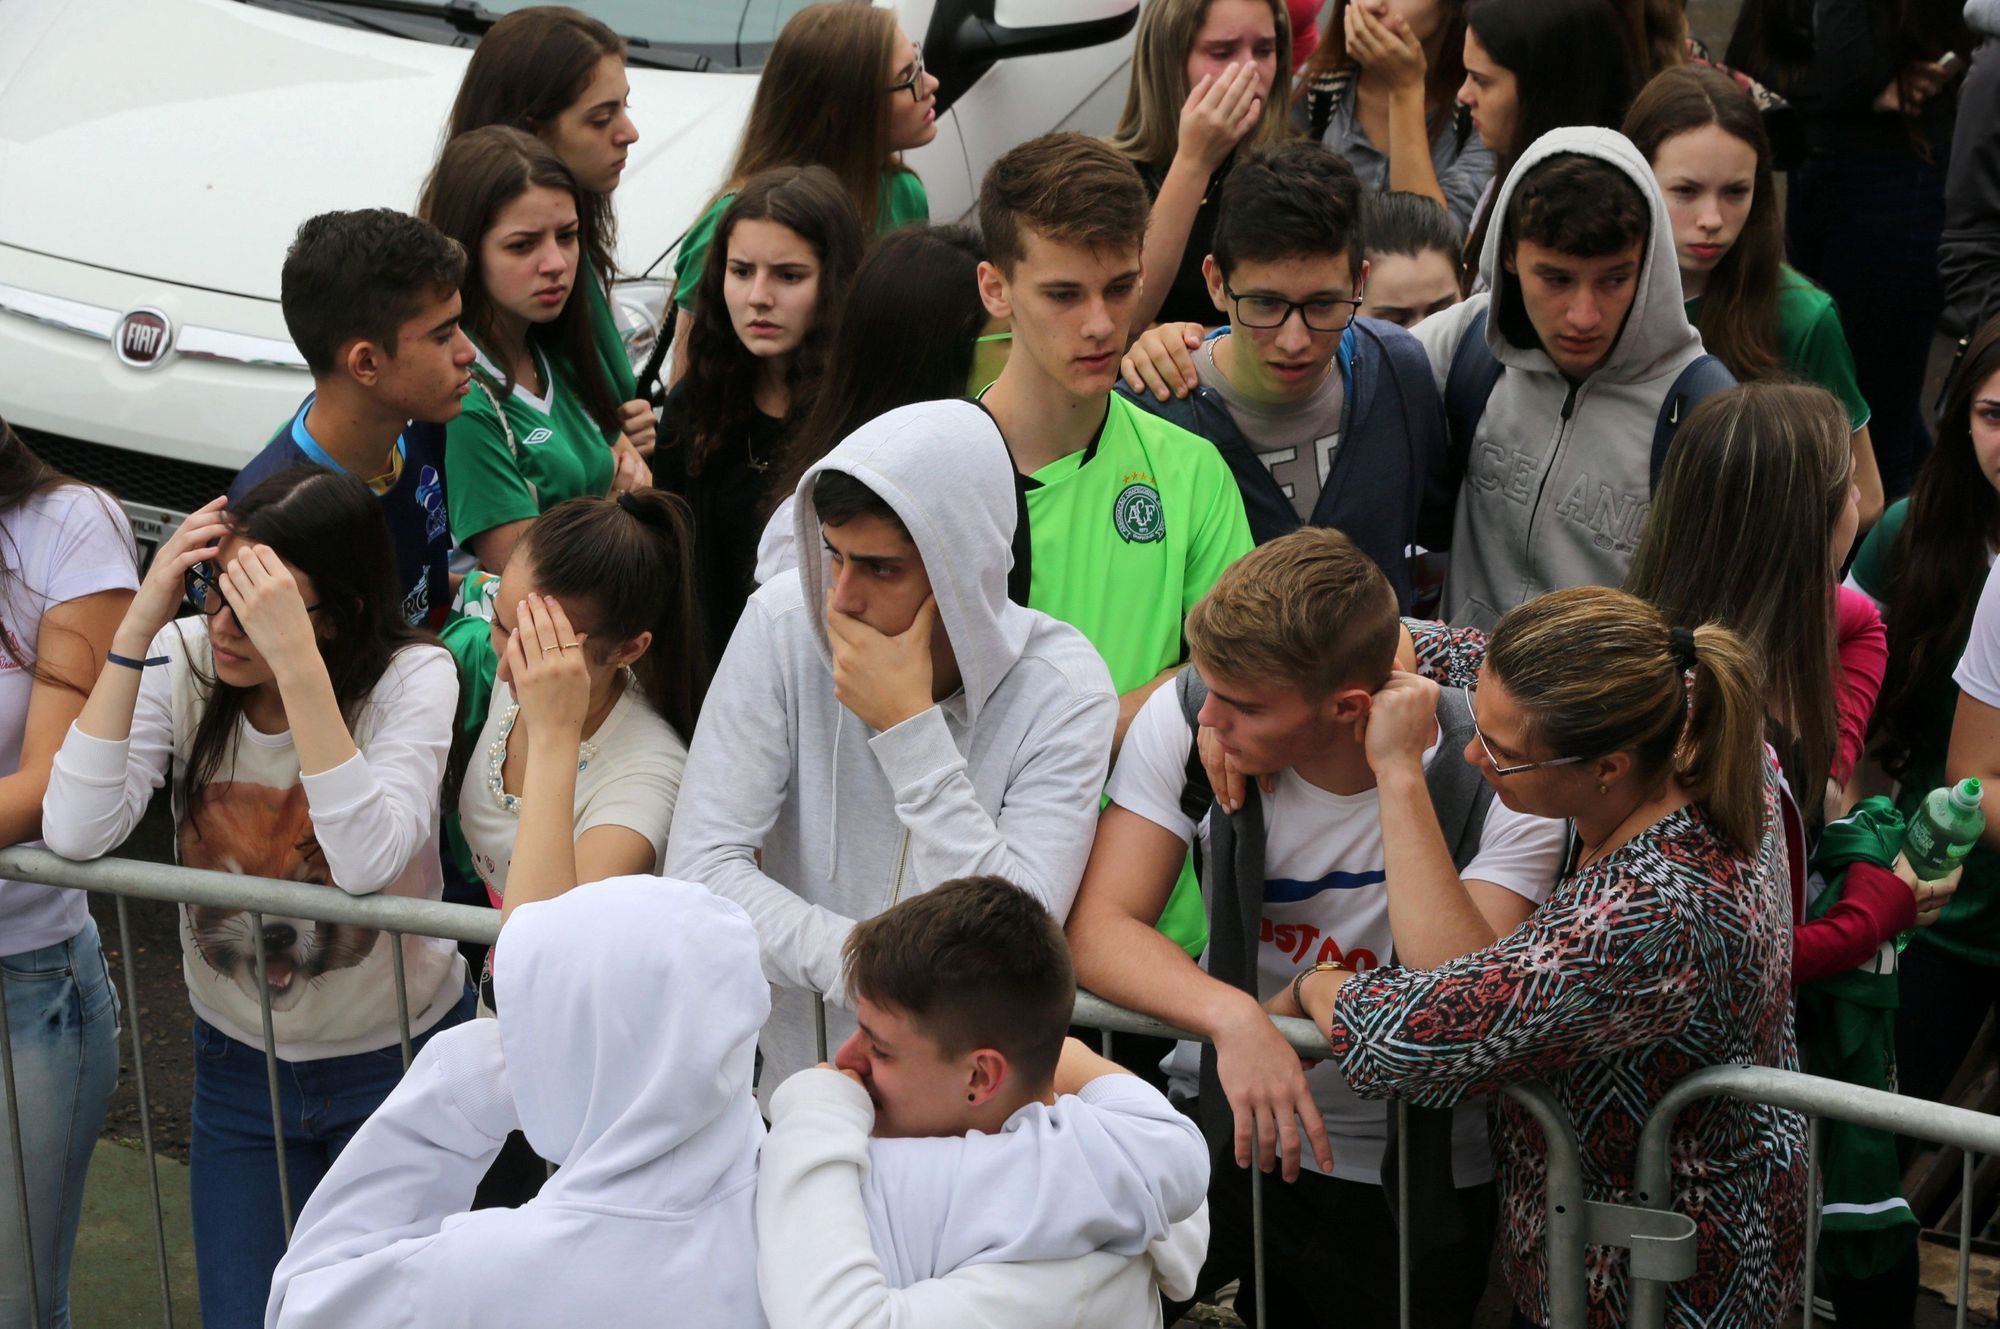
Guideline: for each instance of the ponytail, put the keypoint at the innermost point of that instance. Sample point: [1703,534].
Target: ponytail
[1720,761]
[630,560]
[1600,671]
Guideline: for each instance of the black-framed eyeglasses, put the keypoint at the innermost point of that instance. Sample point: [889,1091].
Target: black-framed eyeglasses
[915,82]
[204,589]
[1471,695]
[1268,311]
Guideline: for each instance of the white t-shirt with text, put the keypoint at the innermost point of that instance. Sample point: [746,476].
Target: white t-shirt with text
[1326,898]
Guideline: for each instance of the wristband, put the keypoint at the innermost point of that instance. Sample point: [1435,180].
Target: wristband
[1298,982]
[113,657]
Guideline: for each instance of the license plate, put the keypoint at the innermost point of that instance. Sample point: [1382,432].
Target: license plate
[150,528]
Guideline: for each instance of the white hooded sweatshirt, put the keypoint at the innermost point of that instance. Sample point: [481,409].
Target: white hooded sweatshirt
[811,820]
[1076,1213]
[1558,482]
[629,1009]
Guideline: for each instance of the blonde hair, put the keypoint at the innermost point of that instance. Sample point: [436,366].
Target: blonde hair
[1309,609]
[1597,671]
[1149,127]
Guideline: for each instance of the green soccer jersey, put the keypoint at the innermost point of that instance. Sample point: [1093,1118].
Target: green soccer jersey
[604,331]
[900,202]
[1124,537]
[545,449]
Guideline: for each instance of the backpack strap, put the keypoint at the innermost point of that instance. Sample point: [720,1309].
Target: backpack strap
[1467,384]
[1704,376]
[1197,795]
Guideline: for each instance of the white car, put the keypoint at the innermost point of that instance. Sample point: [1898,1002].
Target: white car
[156,157]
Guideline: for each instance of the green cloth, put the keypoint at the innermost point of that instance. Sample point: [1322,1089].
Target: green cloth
[1847,1031]
[557,451]
[469,637]
[1125,536]
[1969,925]
[902,200]
[1811,342]
[604,331]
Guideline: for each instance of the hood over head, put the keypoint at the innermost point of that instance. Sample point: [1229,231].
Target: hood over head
[629,1013]
[944,469]
[1983,17]
[1656,332]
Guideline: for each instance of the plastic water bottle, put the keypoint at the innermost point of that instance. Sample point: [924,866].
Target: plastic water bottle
[1944,830]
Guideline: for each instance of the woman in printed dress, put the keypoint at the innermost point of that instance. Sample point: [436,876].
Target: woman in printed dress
[1666,946]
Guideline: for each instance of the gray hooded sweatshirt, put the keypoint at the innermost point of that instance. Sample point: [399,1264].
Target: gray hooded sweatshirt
[811,820]
[1557,487]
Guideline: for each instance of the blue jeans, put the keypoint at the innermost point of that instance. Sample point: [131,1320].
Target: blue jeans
[239,1231]
[62,1018]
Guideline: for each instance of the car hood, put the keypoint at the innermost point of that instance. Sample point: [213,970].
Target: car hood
[185,140]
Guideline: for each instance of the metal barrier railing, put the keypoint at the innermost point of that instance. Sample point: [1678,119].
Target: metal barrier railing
[1660,1240]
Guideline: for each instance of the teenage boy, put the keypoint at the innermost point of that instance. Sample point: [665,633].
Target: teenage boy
[1563,383]
[1130,519]
[1014,1177]
[371,300]
[1326,419]
[887,718]
[611,997]
[1292,650]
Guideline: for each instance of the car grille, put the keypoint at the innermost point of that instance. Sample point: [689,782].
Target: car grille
[136,478]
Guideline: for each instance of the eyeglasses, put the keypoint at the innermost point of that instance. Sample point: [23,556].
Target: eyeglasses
[204,589]
[915,82]
[1268,311]
[1471,695]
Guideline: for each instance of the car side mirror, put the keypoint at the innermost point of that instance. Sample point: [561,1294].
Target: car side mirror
[966,37]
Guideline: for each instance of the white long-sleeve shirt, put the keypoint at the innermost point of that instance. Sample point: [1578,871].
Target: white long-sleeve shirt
[368,825]
[1077,1213]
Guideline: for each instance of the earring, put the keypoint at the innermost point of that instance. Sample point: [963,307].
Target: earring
[1603,788]
[970,1097]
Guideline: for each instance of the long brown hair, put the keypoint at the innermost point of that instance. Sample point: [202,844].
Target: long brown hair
[476,176]
[1940,560]
[719,391]
[1441,80]
[1149,127]
[528,69]
[820,102]
[1739,534]
[1738,319]
[24,476]
[1595,672]
[629,561]
[1659,34]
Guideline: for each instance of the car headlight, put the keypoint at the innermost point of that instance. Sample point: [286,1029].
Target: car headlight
[639,307]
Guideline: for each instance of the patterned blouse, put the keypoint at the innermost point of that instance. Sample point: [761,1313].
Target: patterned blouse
[1670,954]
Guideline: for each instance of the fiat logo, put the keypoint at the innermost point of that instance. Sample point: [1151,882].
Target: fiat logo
[142,338]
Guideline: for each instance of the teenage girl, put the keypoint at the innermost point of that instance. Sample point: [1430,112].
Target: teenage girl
[1414,248]
[539,424]
[912,330]
[1536,65]
[304,725]
[67,574]
[1382,91]
[1705,139]
[559,74]
[1208,77]
[789,243]
[608,717]
[843,88]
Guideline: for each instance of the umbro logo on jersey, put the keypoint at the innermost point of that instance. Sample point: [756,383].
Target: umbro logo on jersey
[537,436]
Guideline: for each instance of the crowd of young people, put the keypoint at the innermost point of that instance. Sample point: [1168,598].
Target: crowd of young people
[1477,614]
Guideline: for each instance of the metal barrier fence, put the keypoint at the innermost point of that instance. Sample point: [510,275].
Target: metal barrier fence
[1660,1242]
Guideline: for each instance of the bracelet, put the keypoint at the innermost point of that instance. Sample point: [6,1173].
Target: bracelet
[113,657]
[1299,979]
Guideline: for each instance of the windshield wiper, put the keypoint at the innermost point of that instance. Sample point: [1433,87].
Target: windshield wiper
[476,20]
